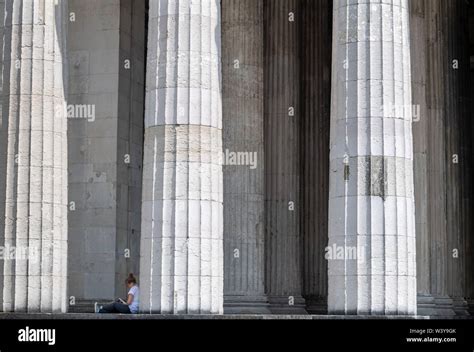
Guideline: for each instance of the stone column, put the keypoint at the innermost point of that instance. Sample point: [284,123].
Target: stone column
[282,160]
[34,119]
[470,202]
[442,191]
[430,155]
[420,81]
[469,174]
[315,57]
[372,269]
[3,154]
[244,187]
[457,150]
[181,264]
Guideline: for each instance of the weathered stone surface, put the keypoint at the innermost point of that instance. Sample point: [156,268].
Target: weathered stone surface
[316,33]
[282,157]
[35,156]
[182,232]
[244,188]
[371,205]
[443,194]
[246,317]
[107,54]
[275,94]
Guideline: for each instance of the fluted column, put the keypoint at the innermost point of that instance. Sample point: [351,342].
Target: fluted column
[457,151]
[430,146]
[3,153]
[181,265]
[244,207]
[422,176]
[314,146]
[35,179]
[442,152]
[371,207]
[282,159]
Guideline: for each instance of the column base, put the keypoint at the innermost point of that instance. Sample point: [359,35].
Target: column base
[246,305]
[316,305]
[461,307]
[287,305]
[470,304]
[429,305]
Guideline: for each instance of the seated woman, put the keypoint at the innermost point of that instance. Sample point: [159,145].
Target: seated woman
[131,306]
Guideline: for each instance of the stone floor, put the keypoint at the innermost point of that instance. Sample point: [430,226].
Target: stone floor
[89,316]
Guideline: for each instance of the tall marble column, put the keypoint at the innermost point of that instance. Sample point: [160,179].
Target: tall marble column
[372,269]
[35,153]
[282,159]
[181,264]
[244,207]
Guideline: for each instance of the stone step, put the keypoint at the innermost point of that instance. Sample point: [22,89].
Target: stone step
[84,306]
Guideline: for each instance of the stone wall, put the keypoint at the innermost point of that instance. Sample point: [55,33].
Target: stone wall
[105,153]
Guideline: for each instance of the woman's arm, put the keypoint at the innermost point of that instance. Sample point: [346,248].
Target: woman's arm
[129,299]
